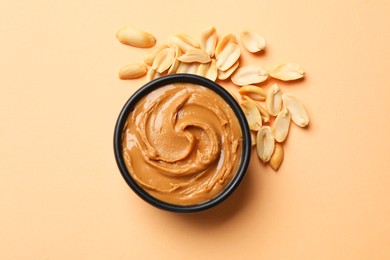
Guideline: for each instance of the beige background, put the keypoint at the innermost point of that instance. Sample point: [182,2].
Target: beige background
[61,194]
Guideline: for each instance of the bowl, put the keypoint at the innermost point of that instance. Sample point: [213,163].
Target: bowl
[232,103]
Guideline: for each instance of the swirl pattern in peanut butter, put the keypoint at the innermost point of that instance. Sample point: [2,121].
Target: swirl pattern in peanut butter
[182,144]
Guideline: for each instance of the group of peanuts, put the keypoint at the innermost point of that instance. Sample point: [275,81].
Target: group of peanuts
[218,60]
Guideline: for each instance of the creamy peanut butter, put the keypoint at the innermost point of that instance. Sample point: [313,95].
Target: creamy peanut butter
[182,143]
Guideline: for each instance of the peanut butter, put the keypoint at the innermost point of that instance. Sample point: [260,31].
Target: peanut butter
[182,144]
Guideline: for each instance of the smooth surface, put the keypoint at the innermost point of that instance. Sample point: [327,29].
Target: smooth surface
[62,197]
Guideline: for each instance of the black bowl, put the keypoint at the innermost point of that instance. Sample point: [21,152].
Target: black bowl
[182,78]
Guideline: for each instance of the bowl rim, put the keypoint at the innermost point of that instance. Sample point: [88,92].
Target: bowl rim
[198,80]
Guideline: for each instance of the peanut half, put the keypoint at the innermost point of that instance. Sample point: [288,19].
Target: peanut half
[229,38]
[152,74]
[208,40]
[277,157]
[265,143]
[253,138]
[287,72]
[248,75]
[184,41]
[176,62]
[135,37]
[208,70]
[164,60]
[298,112]
[264,113]
[274,100]
[254,92]
[212,72]
[149,58]
[195,55]
[222,75]
[282,125]
[133,71]
[228,56]
[252,114]
[252,41]
[189,68]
